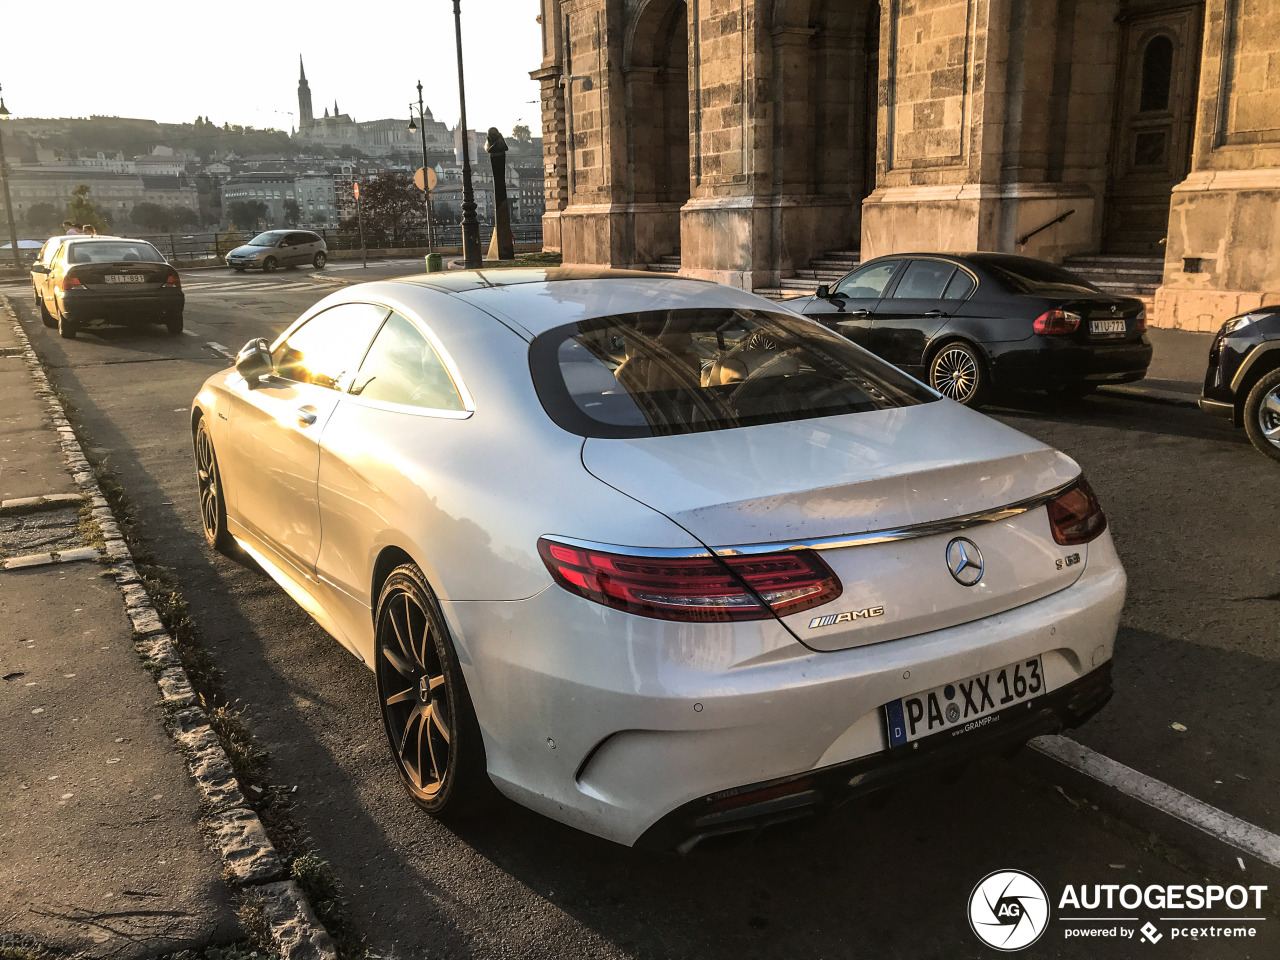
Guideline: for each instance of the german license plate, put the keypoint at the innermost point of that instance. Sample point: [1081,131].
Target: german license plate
[963,706]
[125,278]
[1106,326]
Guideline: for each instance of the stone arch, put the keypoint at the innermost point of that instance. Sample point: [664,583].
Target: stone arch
[656,74]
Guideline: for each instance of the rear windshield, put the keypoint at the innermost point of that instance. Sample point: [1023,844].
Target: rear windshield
[114,251]
[685,371]
[1036,279]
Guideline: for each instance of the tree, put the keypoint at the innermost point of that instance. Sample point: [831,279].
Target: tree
[292,213]
[229,240]
[521,133]
[246,214]
[82,210]
[43,218]
[392,208]
[150,216]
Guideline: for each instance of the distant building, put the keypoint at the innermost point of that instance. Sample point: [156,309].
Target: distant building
[114,194]
[377,138]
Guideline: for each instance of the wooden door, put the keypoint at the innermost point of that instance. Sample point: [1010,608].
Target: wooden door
[1150,153]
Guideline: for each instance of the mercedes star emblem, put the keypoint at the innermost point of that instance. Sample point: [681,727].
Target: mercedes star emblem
[964,560]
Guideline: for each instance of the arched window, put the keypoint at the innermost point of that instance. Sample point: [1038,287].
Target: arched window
[1157,74]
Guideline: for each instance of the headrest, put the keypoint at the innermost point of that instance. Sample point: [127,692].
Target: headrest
[587,378]
[750,365]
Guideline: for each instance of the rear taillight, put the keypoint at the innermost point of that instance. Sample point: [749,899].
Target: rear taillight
[1076,517]
[172,280]
[1140,321]
[700,589]
[68,282]
[1057,322]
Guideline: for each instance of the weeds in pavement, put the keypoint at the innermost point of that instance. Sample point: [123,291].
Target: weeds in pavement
[22,953]
[273,803]
[318,882]
[90,532]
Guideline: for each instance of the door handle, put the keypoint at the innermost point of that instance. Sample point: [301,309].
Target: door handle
[306,415]
[859,313]
[936,313]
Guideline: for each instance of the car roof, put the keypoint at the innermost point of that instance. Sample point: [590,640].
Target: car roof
[538,299]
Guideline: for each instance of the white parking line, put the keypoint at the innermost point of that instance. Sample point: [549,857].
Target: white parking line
[220,350]
[1219,824]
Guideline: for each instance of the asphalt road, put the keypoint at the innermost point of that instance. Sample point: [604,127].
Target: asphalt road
[1187,500]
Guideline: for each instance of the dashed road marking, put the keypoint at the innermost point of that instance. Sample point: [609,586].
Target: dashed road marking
[220,350]
[1219,824]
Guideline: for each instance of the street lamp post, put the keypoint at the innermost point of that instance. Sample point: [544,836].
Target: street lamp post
[426,186]
[470,228]
[8,203]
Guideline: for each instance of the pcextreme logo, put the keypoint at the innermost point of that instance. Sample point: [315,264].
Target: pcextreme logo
[1009,910]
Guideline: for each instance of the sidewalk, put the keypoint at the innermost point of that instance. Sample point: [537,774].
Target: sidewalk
[99,819]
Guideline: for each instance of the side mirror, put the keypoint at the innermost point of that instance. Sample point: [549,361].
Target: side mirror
[823,292]
[39,268]
[254,361]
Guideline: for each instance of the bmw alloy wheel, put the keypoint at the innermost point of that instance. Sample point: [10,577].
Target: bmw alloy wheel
[955,373]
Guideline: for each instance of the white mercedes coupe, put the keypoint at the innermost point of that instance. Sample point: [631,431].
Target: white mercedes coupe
[655,557]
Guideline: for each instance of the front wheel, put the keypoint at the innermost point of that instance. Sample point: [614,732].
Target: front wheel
[269,265]
[45,316]
[956,372]
[426,710]
[213,509]
[319,260]
[1262,415]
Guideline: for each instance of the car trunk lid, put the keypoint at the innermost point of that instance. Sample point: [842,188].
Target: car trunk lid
[884,491]
[1106,319]
[122,278]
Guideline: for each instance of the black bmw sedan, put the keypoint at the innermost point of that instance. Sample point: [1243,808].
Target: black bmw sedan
[968,323]
[1242,382]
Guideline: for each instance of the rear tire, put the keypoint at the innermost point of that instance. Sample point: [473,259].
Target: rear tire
[1262,415]
[426,710]
[1072,392]
[173,325]
[66,329]
[956,371]
[319,260]
[269,265]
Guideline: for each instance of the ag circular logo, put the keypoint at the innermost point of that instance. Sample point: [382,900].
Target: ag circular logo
[1008,910]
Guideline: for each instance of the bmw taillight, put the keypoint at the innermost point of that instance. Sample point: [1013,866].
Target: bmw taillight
[70,281]
[1057,322]
[172,280]
[1075,516]
[700,589]
[1140,321]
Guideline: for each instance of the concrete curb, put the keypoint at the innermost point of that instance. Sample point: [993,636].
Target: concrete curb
[1151,395]
[238,834]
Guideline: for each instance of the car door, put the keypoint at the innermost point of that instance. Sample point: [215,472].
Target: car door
[914,309]
[849,308]
[276,425]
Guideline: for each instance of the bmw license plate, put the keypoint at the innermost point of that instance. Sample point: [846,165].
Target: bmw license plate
[1106,326]
[963,706]
[125,278]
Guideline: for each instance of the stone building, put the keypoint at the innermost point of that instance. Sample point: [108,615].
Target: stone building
[748,137]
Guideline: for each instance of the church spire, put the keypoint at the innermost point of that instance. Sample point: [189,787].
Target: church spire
[302,71]
[305,115]
[336,111]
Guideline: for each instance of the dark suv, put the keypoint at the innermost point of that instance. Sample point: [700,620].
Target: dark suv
[1243,379]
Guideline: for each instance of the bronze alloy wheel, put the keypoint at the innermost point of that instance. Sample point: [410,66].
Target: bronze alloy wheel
[213,511]
[426,710]
[956,373]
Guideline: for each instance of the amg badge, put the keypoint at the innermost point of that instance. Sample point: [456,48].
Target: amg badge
[846,617]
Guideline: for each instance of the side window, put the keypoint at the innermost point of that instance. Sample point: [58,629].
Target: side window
[870,281]
[403,367]
[298,239]
[328,346]
[924,280]
[960,287]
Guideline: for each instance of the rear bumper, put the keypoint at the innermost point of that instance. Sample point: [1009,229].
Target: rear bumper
[620,725]
[761,804]
[1043,361]
[80,306]
[1219,408]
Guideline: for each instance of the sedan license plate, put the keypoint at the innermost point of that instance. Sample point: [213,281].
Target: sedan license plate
[965,705]
[125,278]
[1106,326]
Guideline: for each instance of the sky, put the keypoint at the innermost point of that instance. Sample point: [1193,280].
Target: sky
[173,62]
